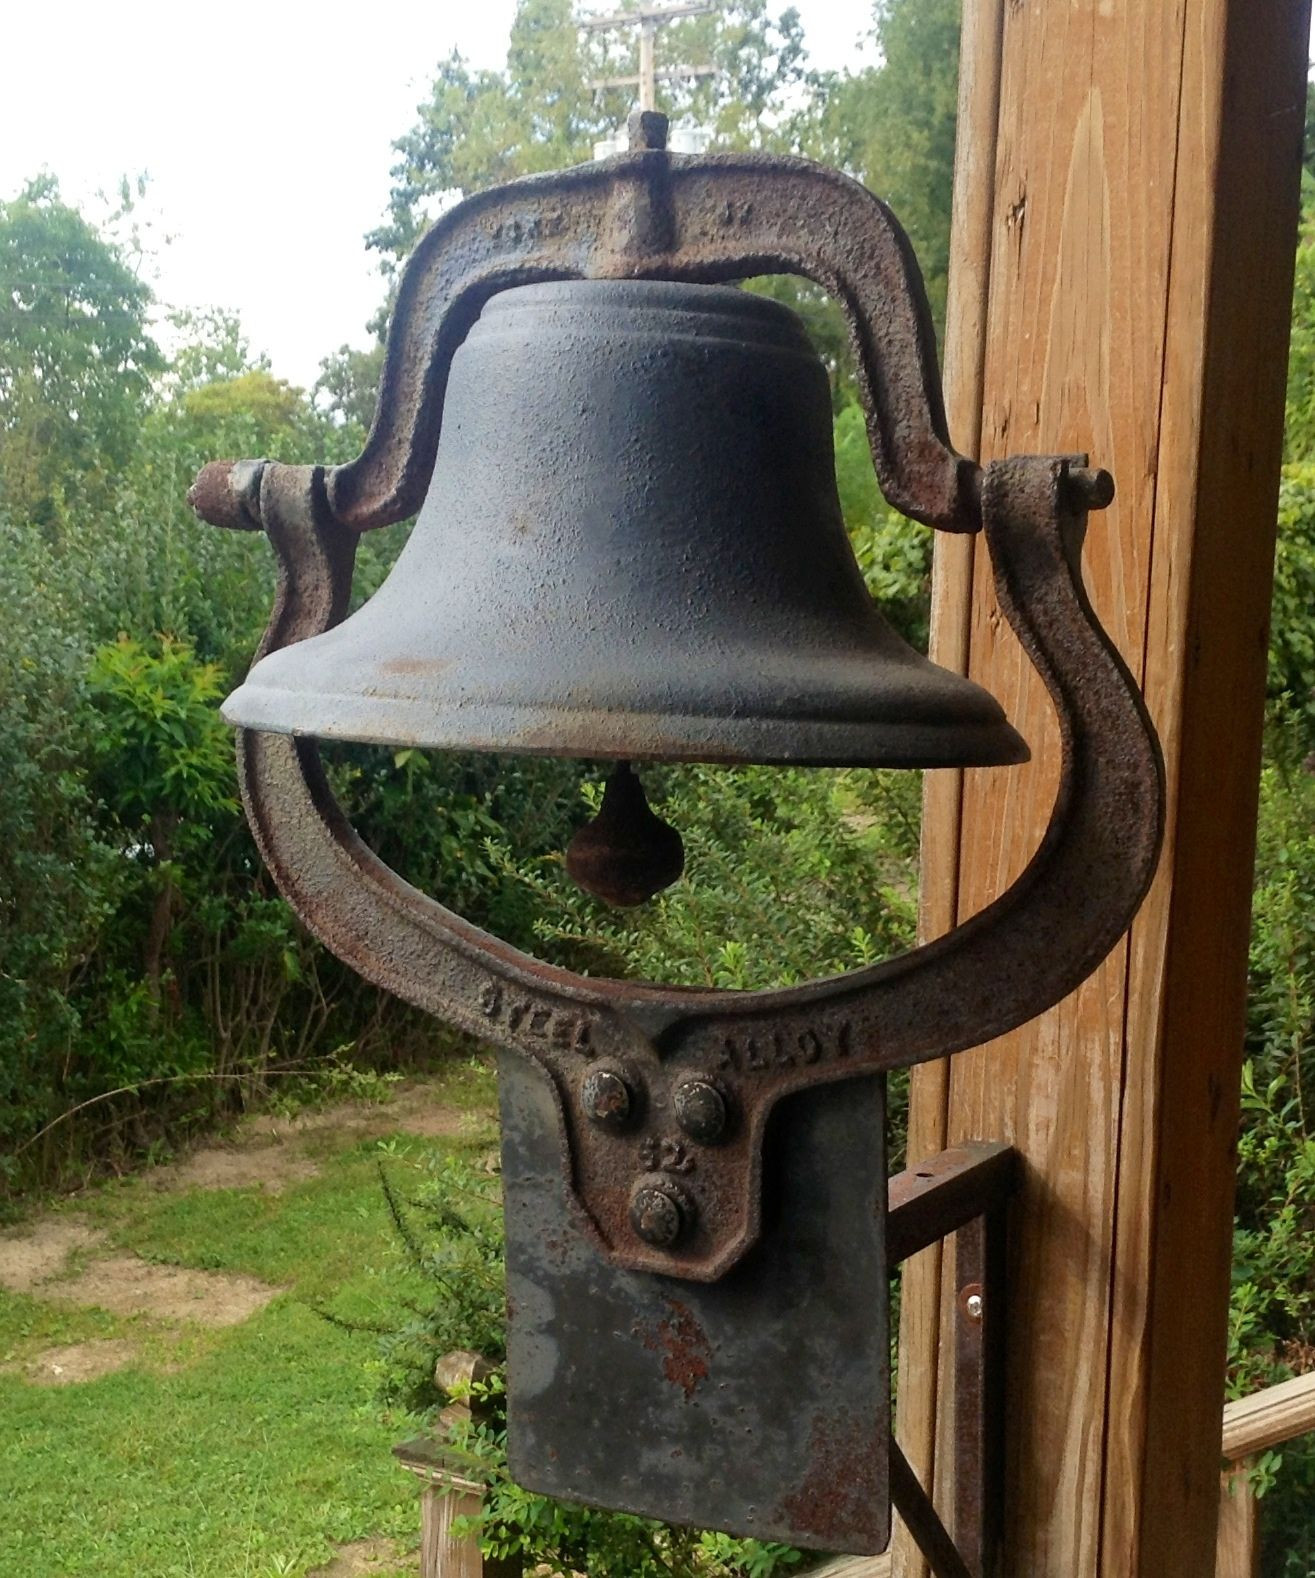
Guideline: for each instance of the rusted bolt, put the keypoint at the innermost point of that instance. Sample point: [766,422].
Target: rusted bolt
[1090,488]
[972,1302]
[607,1099]
[660,1214]
[700,1110]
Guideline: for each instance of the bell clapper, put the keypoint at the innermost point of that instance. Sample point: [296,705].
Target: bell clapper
[627,854]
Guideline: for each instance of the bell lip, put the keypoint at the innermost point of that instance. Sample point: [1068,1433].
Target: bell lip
[627,736]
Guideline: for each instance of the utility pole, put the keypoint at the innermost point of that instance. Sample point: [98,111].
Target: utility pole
[648,19]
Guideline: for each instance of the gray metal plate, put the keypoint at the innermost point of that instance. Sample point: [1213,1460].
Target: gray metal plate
[758,1404]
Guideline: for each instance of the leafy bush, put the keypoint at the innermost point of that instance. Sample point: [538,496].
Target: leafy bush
[1272,1317]
[59,880]
[1291,687]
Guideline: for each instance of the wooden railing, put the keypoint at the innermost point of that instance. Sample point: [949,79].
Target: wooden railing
[1252,1425]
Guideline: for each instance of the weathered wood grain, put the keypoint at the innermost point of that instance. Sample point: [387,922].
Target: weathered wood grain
[1269,1418]
[1138,275]
[857,1567]
[965,354]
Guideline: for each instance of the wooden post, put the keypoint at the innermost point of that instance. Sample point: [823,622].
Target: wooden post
[449,1494]
[1121,284]
[1239,1533]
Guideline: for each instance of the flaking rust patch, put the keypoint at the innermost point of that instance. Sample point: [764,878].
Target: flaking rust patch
[684,1347]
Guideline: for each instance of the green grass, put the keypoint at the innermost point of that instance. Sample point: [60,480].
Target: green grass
[246,1452]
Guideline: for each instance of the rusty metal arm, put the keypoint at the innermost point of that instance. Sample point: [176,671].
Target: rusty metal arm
[915,1507]
[962,1191]
[946,1192]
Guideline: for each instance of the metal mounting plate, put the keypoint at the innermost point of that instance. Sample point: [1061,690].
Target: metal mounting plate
[758,1404]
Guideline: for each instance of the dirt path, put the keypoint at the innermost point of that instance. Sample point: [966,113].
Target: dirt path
[359,1559]
[63,1258]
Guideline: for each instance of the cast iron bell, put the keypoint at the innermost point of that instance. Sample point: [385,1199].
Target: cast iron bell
[631,549]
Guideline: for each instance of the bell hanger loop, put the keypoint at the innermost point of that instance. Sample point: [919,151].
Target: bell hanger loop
[710,219]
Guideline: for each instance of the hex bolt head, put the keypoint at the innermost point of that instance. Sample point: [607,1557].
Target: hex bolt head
[660,1214]
[608,1100]
[700,1110]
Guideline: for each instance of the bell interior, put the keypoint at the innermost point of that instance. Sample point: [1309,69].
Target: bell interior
[632,548]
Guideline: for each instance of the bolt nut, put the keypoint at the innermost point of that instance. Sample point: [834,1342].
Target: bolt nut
[1089,488]
[660,1214]
[701,1110]
[608,1100]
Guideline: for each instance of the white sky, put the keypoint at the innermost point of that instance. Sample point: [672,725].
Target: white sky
[265,129]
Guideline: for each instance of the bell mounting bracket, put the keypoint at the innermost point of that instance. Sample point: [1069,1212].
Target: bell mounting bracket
[662,1094]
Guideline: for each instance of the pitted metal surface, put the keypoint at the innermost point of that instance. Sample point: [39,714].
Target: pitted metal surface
[632,548]
[758,1404]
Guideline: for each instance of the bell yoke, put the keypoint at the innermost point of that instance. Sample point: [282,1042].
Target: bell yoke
[630,548]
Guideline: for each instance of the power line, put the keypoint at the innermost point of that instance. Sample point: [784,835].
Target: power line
[648,19]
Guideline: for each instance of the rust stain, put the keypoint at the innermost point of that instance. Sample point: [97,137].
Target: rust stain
[407,665]
[684,1346]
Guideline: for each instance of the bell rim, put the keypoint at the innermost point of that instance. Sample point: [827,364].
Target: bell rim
[581,734]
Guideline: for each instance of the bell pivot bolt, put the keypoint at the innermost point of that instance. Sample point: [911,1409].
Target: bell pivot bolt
[701,1110]
[660,1214]
[608,1099]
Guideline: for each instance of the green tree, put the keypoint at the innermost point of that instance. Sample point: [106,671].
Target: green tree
[76,358]
[894,124]
[161,762]
[276,411]
[1299,439]
[478,128]
[210,345]
[1308,159]
[348,387]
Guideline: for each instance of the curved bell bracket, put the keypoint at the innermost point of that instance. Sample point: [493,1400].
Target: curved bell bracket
[648,214]
[663,1094]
